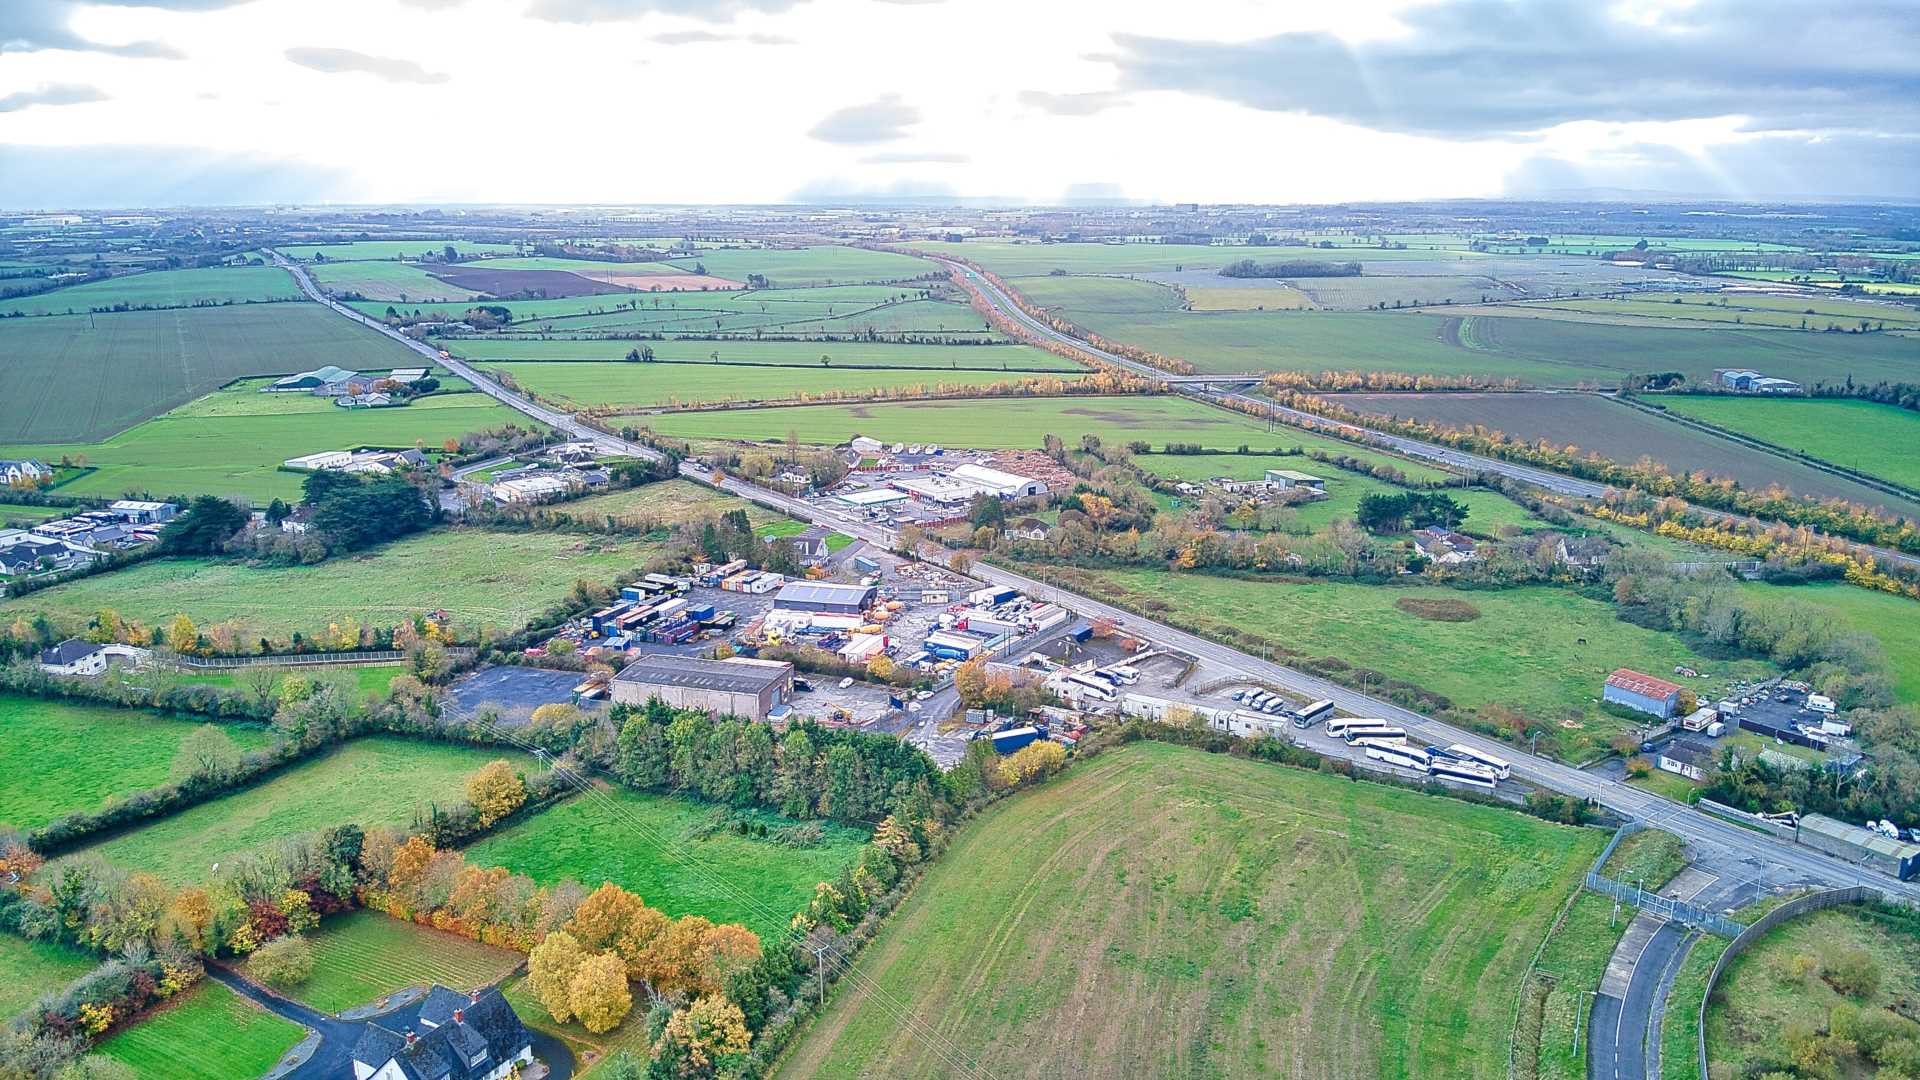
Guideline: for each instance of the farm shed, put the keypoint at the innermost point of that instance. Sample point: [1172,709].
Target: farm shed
[737,686]
[824,596]
[313,380]
[1643,693]
[1855,844]
[1287,479]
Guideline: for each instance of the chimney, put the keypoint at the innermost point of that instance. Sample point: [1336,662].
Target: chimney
[411,1038]
[473,998]
[459,1015]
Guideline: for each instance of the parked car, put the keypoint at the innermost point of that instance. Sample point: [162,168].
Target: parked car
[846,682]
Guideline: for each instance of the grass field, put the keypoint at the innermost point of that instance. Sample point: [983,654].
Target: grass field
[162,289]
[1163,912]
[490,580]
[1523,652]
[1596,425]
[362,956]
[595,838]
[1787,312]
[1279,298]
[1553,1007]
[390,249]
[360,679]
[634,386]
[216,448]
[12,515]
[78,378]
[1892,620]
[1866,436]
[669,502]
[827,265]
[390,281]
[1020,260]
[211,1033]
[1759,999]
[757,354]
[29,969]
[127,750]
[375,780]
[995,423]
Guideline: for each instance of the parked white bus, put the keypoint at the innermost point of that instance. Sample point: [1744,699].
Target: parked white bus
[1378,740]
[1305,716]
[1500,769]
[1373,730]
[1337,726]
[1462,772]
[1407,757]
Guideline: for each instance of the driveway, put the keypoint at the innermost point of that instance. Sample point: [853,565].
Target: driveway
[333,1059]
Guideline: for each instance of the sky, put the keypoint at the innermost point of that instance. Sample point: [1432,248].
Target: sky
[222,102]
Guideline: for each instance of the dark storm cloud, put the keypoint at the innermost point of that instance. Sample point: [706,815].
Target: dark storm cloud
[1472,68]
[85,177]
[1085,104]
[31,25]
[881,120]
[587,11]
[51,94]
[347,61]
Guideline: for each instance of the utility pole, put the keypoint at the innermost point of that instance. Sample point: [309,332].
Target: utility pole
[820,969]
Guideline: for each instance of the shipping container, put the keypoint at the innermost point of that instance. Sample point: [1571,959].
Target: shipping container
[1008,741]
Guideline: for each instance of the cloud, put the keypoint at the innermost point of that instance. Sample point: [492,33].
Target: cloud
[910,158]
[433,5]
[882,120]
[51,94]
[75,177]
[347,61]
[1475,68]
[587,11]
[709,37]
[1774,167]
[1085,104]
[32,25]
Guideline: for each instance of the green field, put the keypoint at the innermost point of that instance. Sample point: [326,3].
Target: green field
[649,844]
[1894,621]
[77,378]
[1759,1000]
[13,515]
[490,580]
[1019,260]
[362,956]
[1163,912]
[1865,436]
[125,750]
[29,969]
[1787,312]
[1524,651]
[217,448]
[796,267]
[375,780]
[634,386]
[994,423]
[362,679]
[1556,1003]
[389,281]
[391,249]
[666,502]
[162,289]
[692,309]
[755,354]
[211,1033]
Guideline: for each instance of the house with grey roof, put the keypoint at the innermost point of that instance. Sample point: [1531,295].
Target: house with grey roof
[449,1036]
[23,471]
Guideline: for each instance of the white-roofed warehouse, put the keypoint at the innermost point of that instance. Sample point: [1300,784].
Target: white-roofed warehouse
[824,596]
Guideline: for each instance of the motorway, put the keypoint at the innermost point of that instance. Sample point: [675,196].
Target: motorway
[1630,802]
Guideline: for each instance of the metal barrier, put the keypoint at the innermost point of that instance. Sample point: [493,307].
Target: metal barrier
[1853,894]
[383,656]
[1664,906]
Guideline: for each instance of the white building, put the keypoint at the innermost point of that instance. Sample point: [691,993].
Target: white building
[530,488]
[1006,485]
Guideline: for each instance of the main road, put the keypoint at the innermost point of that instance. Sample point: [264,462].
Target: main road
[1684,821]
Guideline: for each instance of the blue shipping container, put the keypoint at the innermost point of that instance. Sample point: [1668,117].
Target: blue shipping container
[1008,741]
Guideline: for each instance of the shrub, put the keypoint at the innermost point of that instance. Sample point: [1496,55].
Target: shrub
[283,962]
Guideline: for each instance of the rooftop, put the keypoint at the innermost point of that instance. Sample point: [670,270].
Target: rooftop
[1625,679]
[735,676]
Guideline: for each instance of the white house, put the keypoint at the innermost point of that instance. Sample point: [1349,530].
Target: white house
[1684,757]
[74,657]
[451,1036]
[1444,547]
[23,471]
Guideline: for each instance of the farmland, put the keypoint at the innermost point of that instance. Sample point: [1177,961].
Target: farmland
[162,289]
[81,378]
[631,386]
[487,580]
[362,956]
[127,750]
[1020,260]
[1540,651]
[1624,434]
[674,864]
[1488,511]
[1745,309]
[997,423]
[233,446]
[1766,993]
[372,781]
[1160,911]
[212,1033]
[29,969]
[357,250]
[747,353]
[1864,436]
[393,281]
[665,503]
[796,267]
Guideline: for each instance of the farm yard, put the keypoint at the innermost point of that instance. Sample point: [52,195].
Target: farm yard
[488,581]
[29,969]
[128,750]
[685,862]
[375,780]
[1625,434]
[81,378]
[1161,911]
[1865,436]
[229,1037]
[162,289]
[362,956]
[1540,652]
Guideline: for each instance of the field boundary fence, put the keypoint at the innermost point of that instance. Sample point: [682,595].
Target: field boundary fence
[1665,907]
[1744,940]
[224,663]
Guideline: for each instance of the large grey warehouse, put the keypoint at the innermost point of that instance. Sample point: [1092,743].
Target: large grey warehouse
[742,687]
[824,596]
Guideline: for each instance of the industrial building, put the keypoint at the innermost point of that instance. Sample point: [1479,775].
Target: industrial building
[1006,485]
[736,686]
[824,596]
[1858,845]
[1288,479]
[1642,693]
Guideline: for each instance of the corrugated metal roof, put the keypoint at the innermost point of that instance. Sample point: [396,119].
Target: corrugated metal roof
[723,676]
[1866,839]
[1639,683]
[823,592]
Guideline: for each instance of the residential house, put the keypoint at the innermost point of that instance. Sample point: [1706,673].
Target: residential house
[1027,528]
[363,401]
[22,471]
[810,547]
[31,554]
[1688,758]
[1583,552]
[450,1036]
[74,657]
[1444,546]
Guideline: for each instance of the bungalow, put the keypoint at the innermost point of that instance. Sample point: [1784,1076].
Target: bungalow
[20,472]
[310,381]
[452,1036]
[1444,546]
[363,401]
[1027,528]
[1685,757]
